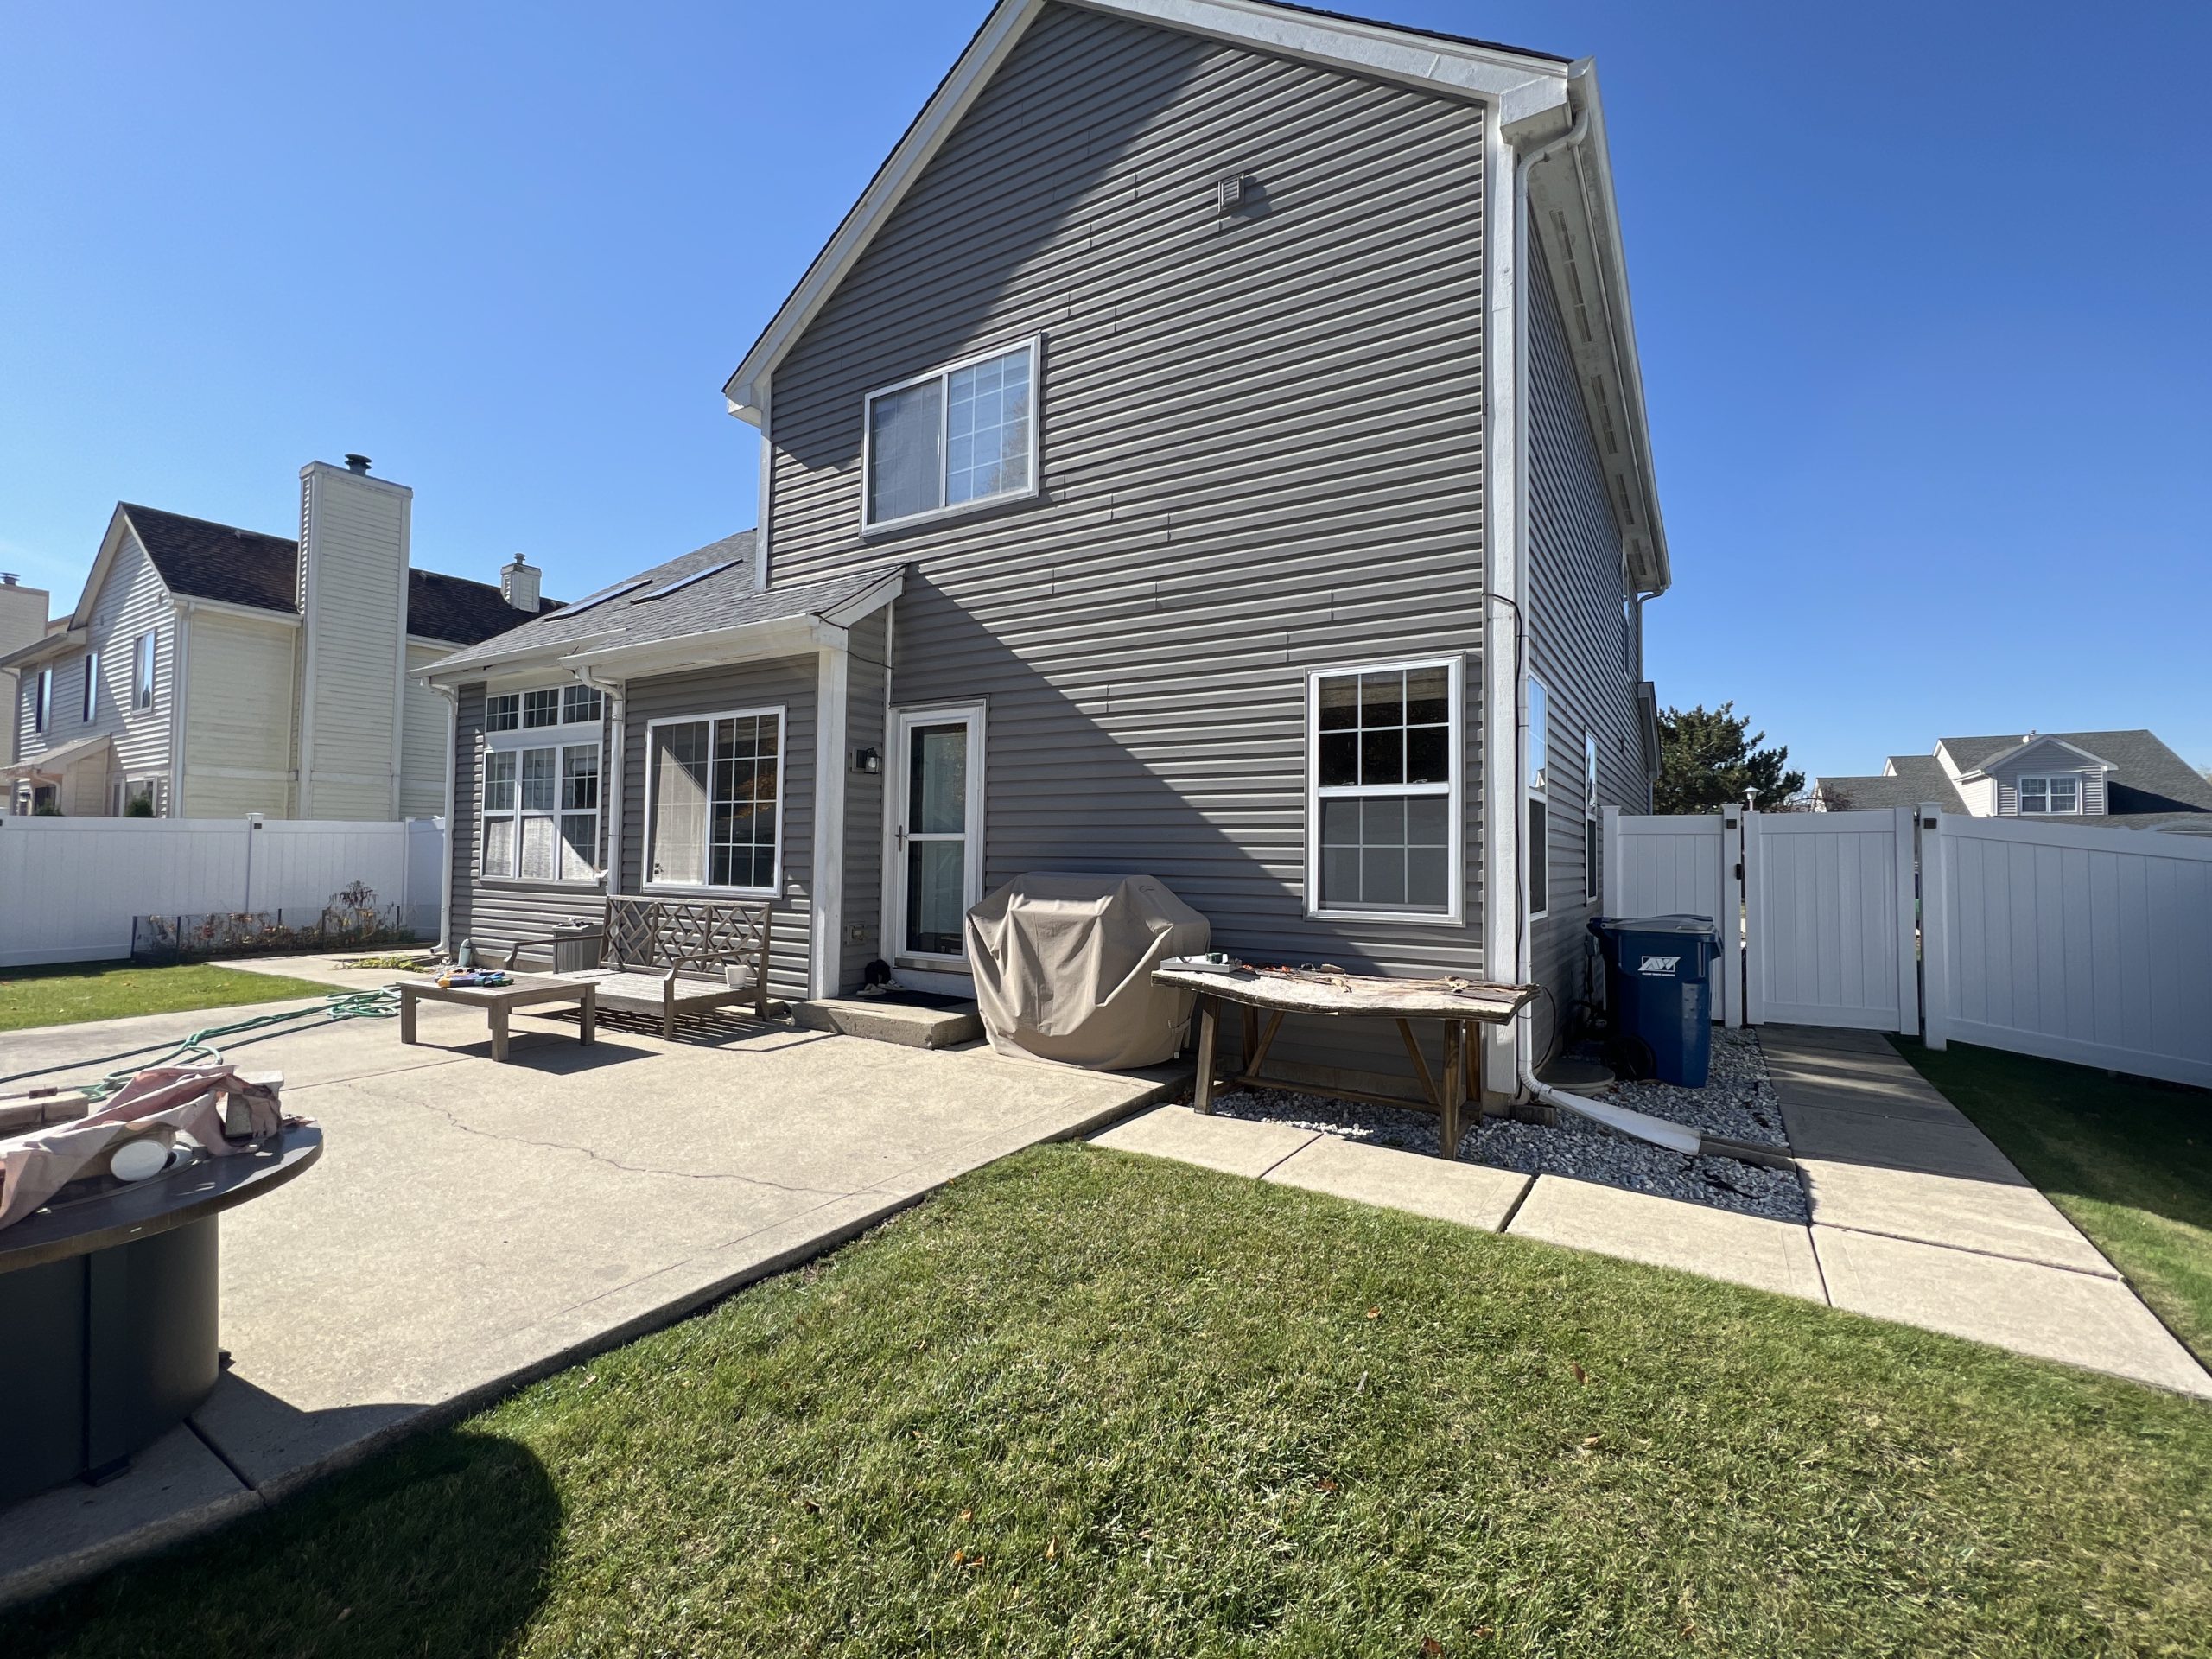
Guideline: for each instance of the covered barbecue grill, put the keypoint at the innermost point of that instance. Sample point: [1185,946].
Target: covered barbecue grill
[1063,967]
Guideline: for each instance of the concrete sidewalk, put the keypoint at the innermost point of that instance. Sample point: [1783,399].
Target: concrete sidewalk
[471,1225]
[1916,1216]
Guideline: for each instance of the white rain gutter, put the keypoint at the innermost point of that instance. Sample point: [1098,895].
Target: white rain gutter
[1639,1125]
[616,693]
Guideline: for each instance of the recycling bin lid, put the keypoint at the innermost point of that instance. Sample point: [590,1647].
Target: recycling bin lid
[1698,927]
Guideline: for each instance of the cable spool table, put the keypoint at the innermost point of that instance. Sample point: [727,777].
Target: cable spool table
[1458,1003]
[108,1312]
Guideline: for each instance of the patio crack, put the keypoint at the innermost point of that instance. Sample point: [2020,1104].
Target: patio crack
[628,1169]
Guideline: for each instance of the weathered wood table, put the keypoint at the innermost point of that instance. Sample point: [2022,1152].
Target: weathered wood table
[498,1001]
[1458,1004]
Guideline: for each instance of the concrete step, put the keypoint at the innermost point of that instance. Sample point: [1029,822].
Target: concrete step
[892,1023]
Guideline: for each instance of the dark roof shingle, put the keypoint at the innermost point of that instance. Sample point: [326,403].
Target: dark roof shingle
[201,559]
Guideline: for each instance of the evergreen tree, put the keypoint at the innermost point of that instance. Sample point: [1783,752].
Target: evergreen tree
[1706,759]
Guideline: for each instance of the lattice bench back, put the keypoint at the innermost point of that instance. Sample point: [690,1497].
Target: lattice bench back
[700,934]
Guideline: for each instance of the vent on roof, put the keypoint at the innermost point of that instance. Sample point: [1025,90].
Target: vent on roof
[685,581]
[604,594]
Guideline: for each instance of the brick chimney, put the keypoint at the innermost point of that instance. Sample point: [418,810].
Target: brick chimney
[518,585]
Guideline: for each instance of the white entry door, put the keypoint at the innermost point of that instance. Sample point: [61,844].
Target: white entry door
[937,833]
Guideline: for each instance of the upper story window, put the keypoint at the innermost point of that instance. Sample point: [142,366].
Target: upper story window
[142,672]
[42,701]
[552,705]
[1384,768]
[956,438]
[92,685]
[2043,796]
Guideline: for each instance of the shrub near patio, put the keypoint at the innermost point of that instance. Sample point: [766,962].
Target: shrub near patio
[1084,1403]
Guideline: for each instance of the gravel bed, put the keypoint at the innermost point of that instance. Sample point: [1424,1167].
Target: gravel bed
[1737,1101]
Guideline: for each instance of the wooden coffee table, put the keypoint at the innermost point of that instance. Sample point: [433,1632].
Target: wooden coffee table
[498,1001]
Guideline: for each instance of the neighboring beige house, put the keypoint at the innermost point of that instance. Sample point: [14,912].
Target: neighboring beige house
[211,671]
[2124,780]
[22,620]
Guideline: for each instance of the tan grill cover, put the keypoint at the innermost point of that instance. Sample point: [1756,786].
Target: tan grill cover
[1063,964]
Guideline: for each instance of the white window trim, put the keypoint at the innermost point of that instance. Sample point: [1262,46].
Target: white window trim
[694,889]
[1592,871]
[574,733]
[42,701]
[2047,779]
[92,685]
[1035,347]
[1454,790]
[1540,904]
[142,660]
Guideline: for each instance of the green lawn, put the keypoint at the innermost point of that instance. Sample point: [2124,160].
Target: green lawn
[2130,1163]
[1086,1403]
[67,993]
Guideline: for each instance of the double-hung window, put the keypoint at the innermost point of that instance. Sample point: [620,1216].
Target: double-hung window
[1539,869]
[2040,796]
[142,672]
[1590,871]
[714,801]
[542,785]
[1385,762]
[92,685]
[956,438]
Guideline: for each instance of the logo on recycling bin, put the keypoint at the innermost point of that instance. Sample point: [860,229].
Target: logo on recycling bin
[1660,965]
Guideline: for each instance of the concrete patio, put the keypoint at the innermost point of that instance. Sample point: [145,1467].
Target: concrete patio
[473,1225]
[1916,1216]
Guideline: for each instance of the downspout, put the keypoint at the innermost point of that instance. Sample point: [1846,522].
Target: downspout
[1639,1125]
[452,695]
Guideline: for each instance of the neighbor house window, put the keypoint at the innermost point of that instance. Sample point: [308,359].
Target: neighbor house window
[92,684]
[1383,765]
[954,437]
[42,701]
[2041,796]
[1590,871]
[142,672]
[542,784]
[714,801]
[1540,872]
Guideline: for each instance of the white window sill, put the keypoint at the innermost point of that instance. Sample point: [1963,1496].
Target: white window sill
[940,515]
[697,890]
[1411,917]
[581,884]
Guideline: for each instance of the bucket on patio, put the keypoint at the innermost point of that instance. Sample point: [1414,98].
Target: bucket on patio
[1659,987]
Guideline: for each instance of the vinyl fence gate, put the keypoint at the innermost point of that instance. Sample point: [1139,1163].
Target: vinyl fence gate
[2062,940]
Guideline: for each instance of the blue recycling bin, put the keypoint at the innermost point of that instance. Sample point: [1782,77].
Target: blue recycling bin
[1659,984]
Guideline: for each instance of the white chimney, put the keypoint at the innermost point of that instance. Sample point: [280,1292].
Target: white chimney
[352,599]
[518,585]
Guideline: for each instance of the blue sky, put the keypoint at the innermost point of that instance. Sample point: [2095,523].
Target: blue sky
[1920,293]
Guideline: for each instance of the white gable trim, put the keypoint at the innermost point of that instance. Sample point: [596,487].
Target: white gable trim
[2007,757]
[110,550]
[1522,86]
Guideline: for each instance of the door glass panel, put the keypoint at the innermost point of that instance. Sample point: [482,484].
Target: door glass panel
[938,782]
[935,901]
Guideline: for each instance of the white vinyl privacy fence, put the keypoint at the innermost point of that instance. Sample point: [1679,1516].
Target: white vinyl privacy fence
[70,888]
[2076,943]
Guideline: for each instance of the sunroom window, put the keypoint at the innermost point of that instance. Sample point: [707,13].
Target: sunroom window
[957,436]
[1384,771]
[542,783]
[714,801]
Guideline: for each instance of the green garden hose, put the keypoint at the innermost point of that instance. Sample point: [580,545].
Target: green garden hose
[199,1048]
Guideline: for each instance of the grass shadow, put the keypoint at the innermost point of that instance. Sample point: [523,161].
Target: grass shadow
[444,1546]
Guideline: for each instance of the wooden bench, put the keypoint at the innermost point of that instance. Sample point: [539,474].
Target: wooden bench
[669,956]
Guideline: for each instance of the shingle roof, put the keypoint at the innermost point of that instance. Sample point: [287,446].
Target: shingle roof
[201,559]
[726,599]
[2149,783]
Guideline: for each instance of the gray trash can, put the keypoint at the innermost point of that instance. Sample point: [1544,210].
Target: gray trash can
[575,947]
[1659,984]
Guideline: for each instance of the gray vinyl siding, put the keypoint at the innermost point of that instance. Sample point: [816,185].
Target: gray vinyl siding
[789,682]
[495,911]
[1576,646]
[1261,454]
[866,692]
[2006,779]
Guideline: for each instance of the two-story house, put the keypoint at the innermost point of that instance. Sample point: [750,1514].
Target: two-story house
[22,622]
[210,671]
[1213,446]
[2124,780]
